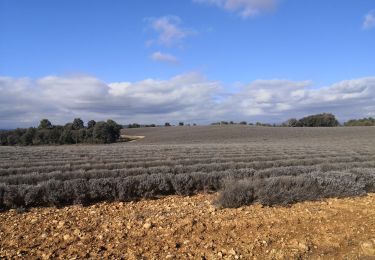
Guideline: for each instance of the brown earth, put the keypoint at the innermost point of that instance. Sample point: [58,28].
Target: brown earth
[191,228]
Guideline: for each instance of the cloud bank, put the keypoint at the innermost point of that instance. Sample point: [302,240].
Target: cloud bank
[244,8]
[188,97]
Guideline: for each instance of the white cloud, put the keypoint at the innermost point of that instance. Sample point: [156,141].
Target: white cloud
[279,99]
[25,101]
[369,20]
[169,30]
[245,8]
[188,97]
[164,57]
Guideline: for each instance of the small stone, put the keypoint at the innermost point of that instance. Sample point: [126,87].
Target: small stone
[60,224]
[303,247]
[66,237]
[232,252]
[147,225]
[368,248]
[220,255]
[169,256]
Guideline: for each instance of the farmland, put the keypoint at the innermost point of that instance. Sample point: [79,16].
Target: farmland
[188,160]
[279,165]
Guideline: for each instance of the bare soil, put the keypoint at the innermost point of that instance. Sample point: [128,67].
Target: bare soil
[178,227]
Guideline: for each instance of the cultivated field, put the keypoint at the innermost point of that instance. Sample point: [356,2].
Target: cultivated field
[279,165]
[247,164]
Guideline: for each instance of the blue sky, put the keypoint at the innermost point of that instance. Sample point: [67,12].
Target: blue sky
[230,43]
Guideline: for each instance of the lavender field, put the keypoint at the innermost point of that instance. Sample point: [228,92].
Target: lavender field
[246,164]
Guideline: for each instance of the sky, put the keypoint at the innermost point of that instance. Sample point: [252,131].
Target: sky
[197,61]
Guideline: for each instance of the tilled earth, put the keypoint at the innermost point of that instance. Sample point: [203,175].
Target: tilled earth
[191,228]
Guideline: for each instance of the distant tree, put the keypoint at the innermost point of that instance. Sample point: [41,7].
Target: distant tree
[77,124]
[181,123]
[40,137]
[71,133]
[12,139]
[134,125]
[293,122]
[68,126]
[45,124]
[243,123]
[67,135]
[54,134]
[102,133]
[319,120]
[28,136]
[231,123]
[4,137]
[167,124]
[114,129]
[91,124]
[106,132]
[361,122]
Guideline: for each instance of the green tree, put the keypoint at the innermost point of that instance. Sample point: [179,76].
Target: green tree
[91,124]
[319,120]
[45,124]
[77,124]
[28,136]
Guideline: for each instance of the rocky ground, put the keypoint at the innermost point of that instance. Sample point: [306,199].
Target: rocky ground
[191,228]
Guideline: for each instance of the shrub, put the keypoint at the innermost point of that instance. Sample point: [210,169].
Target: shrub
[2,191]
[284,190]
[236,194]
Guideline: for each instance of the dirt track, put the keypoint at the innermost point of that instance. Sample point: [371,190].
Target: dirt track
[189,227]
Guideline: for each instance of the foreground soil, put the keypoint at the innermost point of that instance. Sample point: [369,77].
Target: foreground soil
[190,228]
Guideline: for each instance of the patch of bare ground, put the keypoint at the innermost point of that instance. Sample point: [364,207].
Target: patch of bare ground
[178,227]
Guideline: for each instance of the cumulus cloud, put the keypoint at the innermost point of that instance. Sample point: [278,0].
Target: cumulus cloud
[169,30]
[164,57]
[25,101]
[188,97]
[369,20]
[276,100]
[245,8]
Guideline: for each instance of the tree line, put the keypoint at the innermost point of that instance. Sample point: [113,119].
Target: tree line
[71,133]
[361,122]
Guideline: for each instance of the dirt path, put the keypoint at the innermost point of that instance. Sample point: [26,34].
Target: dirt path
[189,227]
[131,138]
